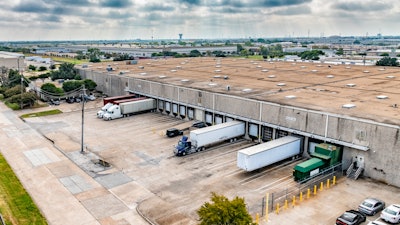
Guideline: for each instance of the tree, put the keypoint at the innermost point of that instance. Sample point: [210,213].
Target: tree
[224,212]
[71,85]
[32,67]
[94,54]
[66,71]
[339,51]
[195,53]
[51,89]
[42,68]
[387,61]
[90,84]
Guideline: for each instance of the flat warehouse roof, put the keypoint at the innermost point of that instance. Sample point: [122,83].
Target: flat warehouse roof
[369,92]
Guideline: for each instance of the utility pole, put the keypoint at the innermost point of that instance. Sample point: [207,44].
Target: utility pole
[22,81]
[83,117]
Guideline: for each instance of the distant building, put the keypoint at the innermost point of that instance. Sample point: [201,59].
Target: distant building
[11,60]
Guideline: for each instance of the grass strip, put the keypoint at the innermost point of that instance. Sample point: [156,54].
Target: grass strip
[44,113]
[16,205]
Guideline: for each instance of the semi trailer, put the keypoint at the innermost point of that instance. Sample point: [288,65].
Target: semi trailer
[265,154]
[104,109]
[207,136]
[129,108]
[116,98]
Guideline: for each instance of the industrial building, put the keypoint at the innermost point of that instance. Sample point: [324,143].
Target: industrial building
[352,106]
[10,60]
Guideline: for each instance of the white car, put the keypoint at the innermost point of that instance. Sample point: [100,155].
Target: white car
[391,214]
[376,223]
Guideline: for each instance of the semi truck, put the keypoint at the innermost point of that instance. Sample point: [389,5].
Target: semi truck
[268,153]
[207,136]
[110,101]
[104,109]
[129,108]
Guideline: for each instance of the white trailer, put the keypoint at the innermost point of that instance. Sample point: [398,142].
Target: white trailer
[265,154]
[201,138]
[129,108]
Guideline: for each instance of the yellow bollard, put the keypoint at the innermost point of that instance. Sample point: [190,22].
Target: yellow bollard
[334,180]
[308,193]
[321,188]
[294,201]
[301,196]
[315,189]
[286,204]
[327,183]
[257,218]
[277,208]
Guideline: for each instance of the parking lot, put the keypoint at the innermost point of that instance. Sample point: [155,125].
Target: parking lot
[144,173]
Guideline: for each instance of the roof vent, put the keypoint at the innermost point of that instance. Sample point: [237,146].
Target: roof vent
[184,80]
[264,70]
[141,67]
[390,77]
[179,67]
[217,76]
[348,67]
[381,97]
[348,106]
[212,84]
[173,71]
[218,66]
[281,84]
[271,76]
[303,66]
[366,71]
[382,69]
[246,90]
[162,77]
[290,96]
[217,71]
[319,65]
[330,76]
[259,66]
[314,71]
[143,74]
[350,85]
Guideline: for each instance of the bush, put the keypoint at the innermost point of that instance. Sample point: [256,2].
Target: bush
[13,91]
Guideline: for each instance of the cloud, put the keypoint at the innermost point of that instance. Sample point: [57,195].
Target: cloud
[31,6]
[362,6]
[157,7]
[116,3]
[278,3]
[297,10]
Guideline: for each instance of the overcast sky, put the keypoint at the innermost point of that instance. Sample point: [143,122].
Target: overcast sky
[195,19]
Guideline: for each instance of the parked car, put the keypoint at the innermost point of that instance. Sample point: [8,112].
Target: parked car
[351,217]
[376,223]
[54,102]
[371,206]
[199,124]
[70,100]
[172,132]
[391,213]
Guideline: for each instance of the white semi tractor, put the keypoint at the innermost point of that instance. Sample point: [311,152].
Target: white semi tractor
[129,108]
[104,109]
[265,154]
[204,137]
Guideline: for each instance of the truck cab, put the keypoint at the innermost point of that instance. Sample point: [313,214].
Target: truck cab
[113,112]
[183,146]
[103,110]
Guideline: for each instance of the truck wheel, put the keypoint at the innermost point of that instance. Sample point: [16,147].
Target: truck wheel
[183,153]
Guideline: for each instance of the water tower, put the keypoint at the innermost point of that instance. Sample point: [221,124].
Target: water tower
[180,37]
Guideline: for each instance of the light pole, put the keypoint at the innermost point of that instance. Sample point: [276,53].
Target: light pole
[22,80]
[83,117]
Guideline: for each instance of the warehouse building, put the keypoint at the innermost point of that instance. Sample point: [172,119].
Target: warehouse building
[355,107]
[12,60]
